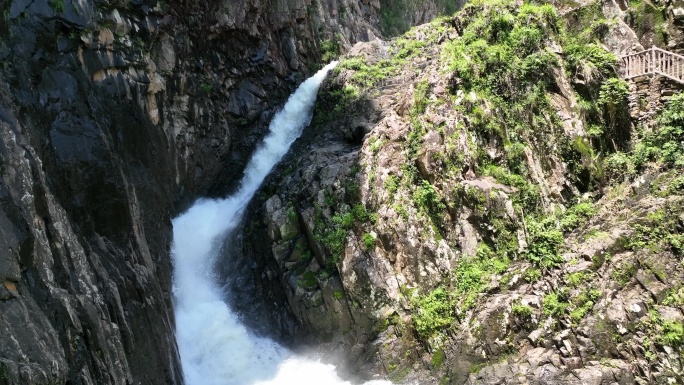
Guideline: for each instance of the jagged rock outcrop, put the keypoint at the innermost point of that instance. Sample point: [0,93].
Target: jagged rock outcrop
[113,117]
[441,223]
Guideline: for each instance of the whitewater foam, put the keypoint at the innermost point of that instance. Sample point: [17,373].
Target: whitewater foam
[215,348]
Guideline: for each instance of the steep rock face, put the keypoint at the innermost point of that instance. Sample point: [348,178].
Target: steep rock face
[441,223]
[113,117]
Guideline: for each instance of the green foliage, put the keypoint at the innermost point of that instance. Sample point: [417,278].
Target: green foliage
[657,232]
[336,103]
[427,199]
[664,332]
[675,297]
[375,144]
[472,274]
[392,184]
[545,244]
[420,101]
[308,280]
[673,333]
[57,5]
[368,75]
[664,145]
[613,93]
[619,166]
[333,235]
[338,295]
[577,215]
[397,16]
[368,241]
[330,50]
[583,303]
[433,313]
[576,279]
[526,195]
[590,61]
[505,72]
[521,312]
[676,186]
[670,134]
[438,358]
[554,304]
[532,275]
[646,18]
[624,273]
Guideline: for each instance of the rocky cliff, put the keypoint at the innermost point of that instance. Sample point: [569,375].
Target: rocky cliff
[474,204]
[113,117]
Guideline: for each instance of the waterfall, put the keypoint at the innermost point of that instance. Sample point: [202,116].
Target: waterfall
[215,348]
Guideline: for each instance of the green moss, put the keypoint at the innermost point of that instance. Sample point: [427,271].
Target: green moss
[308,280]
[57,5]
[438,358]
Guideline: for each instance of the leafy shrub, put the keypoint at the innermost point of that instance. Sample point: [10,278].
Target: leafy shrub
[590,61]
[670,133]
[433,313]
[554,304]
[545,244]
[368,241]
[673,333]
[532,275]
[577,215]
[522,312]
[619,166]
[330,50]
[583,303]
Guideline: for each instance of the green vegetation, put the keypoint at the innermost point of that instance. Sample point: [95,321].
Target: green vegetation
[662,146]
[335,104]
[308,280]
[675,297]
[333,235]
[648,18]
[583,303]
[532,275]
[545,244]
[57,5]
[433,313]
[207,87]
[368,241]
[658,232]
[560,304]
[662,332]
[438,358]
[522,312]
[577,215]
[554,304]
[329,49]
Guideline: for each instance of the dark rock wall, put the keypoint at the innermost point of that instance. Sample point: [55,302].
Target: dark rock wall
[114,116]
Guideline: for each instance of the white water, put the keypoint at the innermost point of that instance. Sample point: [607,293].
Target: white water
[215,348]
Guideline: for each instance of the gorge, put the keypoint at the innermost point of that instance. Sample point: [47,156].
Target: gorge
[481,198]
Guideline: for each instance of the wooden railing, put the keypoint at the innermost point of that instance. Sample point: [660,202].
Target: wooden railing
[654,61]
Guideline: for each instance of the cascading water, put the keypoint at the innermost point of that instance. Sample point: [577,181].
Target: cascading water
[214,347]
